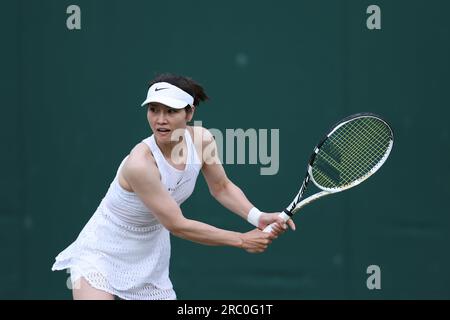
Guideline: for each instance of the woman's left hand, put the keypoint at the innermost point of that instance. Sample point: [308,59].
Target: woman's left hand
[279,227]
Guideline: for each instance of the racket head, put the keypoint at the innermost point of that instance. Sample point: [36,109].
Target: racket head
[353,150]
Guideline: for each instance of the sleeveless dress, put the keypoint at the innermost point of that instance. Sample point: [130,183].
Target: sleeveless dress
[123,249]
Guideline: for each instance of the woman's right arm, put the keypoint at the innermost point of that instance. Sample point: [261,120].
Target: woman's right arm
[142,175]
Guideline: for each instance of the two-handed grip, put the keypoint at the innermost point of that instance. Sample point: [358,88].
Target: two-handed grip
[283,216]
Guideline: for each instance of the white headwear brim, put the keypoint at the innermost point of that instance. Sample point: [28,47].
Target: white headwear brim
[169,95]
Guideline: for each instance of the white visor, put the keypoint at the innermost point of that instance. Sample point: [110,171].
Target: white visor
[169,95]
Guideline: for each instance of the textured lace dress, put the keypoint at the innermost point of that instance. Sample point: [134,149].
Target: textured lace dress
[123,249]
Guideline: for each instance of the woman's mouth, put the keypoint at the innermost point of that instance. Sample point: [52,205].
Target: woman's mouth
[163,131]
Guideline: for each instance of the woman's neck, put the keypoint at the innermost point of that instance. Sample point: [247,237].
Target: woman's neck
[167,148]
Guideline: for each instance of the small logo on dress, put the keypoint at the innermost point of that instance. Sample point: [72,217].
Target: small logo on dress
[179,184]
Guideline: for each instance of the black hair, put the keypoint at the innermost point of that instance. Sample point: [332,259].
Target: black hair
[184,83]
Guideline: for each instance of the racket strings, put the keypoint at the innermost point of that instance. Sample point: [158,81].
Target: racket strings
[359,143]
[351,152]
[371,149]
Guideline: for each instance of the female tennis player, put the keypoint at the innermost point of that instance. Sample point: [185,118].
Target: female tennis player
[124,249]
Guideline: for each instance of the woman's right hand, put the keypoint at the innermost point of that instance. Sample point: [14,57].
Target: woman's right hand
[256,241]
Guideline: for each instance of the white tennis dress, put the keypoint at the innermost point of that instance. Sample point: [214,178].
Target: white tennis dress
[123,249]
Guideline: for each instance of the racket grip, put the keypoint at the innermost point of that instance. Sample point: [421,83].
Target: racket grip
[283,216]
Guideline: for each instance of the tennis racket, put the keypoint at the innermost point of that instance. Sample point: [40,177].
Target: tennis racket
[353,150]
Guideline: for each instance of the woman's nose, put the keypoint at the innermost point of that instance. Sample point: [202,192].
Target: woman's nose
[161,118]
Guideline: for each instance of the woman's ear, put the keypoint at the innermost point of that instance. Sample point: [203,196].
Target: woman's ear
[190,114]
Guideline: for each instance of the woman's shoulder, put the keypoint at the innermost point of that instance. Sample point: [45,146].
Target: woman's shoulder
[205,144]
[140,158]
[200,134]
[139,162]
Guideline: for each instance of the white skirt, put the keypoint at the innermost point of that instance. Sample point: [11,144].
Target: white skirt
[131,262]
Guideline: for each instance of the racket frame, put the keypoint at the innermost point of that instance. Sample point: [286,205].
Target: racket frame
[298,203]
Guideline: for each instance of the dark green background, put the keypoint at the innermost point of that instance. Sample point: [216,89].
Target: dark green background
[70,113]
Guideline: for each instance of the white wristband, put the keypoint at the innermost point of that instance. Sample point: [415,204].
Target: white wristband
[253,216]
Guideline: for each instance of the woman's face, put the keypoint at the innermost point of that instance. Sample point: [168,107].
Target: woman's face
[164,121]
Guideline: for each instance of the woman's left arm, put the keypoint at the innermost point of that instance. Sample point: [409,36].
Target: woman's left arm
[225,191]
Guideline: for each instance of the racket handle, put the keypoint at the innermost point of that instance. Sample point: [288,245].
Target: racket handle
[283,216]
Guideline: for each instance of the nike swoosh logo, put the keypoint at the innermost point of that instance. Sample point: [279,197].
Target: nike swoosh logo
[159,89]
[178,183]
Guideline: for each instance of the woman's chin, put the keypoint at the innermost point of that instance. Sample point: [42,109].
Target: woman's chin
[163,137]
